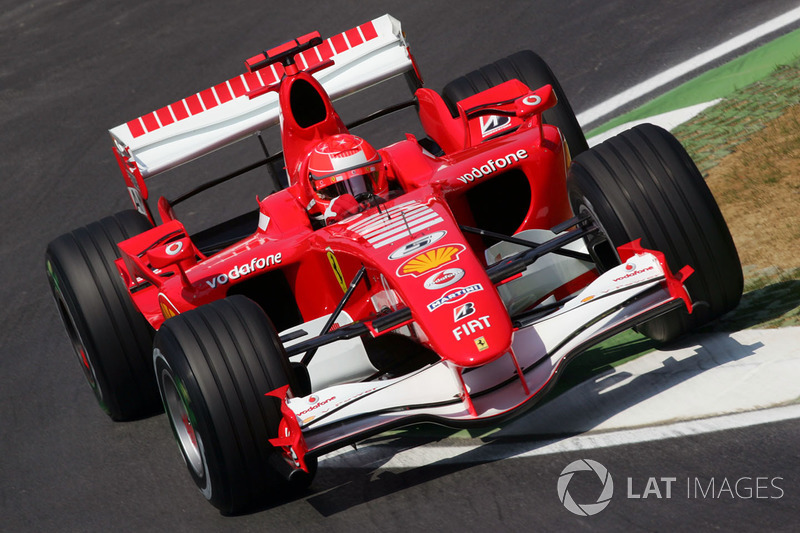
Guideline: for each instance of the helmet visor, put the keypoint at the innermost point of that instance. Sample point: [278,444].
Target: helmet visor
[357,185]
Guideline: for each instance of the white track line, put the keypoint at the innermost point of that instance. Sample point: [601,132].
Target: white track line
[669,121]
[595,113]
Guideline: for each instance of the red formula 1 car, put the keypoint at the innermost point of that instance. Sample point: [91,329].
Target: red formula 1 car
[447,278]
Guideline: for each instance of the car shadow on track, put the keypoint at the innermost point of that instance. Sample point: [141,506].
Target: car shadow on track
[377,468]
[773,305]
[391,464]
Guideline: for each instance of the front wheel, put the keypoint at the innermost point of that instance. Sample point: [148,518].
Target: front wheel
[213,366]
[643,184]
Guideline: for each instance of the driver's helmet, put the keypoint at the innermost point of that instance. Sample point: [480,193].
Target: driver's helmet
[345,164]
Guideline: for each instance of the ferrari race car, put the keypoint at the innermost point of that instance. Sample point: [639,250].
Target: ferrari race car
[447,278]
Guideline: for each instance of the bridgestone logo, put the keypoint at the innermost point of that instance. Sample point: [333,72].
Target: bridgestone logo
[493,124]
[492,166]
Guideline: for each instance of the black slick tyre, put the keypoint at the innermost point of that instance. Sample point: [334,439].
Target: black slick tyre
[642,184]
[111,338]
[533,71]
[213,367]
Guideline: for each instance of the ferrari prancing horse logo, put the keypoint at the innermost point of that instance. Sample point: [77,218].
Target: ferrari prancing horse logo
[337,270]
[481,344]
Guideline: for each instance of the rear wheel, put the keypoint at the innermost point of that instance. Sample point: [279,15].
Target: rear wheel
[534,72]
[213,367]
[643,184]
[111,338]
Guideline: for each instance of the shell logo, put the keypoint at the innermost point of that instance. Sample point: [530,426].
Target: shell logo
[167,309]
[427,261]
[167,312]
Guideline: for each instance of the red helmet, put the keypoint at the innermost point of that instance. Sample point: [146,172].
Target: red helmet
[345,164]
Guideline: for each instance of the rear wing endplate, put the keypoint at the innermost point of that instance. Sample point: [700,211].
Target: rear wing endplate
[218,116]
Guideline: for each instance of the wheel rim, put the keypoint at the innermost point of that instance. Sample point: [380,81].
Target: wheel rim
[182,421]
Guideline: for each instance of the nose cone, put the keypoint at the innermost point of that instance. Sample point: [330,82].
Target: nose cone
[417,245]
[451,297]
[467,324]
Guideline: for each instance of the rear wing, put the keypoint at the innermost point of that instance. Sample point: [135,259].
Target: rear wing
[218,116]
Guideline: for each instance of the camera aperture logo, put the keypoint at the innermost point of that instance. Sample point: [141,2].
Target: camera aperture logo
[585,509]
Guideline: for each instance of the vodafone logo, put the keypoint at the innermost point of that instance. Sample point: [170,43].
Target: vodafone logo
[174,248]
[532,100]
[443,279]
[315,404]
[239,271]
[633,273]
[493,165]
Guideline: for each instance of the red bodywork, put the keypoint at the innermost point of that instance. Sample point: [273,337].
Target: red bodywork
[417,262]
[167,274]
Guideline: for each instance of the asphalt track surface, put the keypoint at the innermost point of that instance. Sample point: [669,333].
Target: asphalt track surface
[72,69]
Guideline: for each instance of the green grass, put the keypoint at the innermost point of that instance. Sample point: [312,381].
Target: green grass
[717,131]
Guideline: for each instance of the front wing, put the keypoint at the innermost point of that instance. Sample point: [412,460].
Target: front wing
[639,289]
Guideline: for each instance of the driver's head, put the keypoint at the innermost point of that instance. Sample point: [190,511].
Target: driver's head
[345,164]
